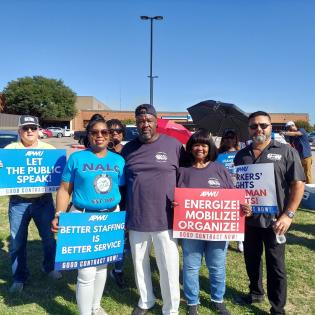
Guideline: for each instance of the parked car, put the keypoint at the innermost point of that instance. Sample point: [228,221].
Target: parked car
[44,133]
[68,132]
[7,137]
[131,132]
[311,137]
[57,131]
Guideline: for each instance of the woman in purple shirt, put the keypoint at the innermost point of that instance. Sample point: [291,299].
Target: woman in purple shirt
[204,172]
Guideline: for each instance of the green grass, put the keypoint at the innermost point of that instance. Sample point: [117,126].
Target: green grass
[43,296]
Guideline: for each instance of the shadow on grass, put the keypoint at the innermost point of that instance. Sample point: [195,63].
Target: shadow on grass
[130,296]
[300,240]
[39,289]
[231,294]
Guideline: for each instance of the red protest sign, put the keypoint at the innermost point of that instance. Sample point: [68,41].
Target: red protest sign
[209,214]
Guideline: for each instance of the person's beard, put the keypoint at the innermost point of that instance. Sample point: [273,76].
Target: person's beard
[260,139]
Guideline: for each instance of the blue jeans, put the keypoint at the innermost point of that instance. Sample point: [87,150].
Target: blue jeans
[21,211]
[215,255]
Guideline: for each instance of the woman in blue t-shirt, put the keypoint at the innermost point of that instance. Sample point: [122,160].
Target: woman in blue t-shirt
[204,172]
[229,146]
[92,177]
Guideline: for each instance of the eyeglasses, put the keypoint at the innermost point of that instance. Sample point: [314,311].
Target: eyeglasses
[112,131]
[26,128]
[95,133]
[262,126]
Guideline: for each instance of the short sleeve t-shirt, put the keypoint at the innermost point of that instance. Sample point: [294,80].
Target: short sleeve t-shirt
[214,175]
[287,168]
[95,180]
[151,170]
[301,144]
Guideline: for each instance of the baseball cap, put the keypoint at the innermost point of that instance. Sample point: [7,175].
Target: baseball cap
[290,123]
[26,120]
[145,109]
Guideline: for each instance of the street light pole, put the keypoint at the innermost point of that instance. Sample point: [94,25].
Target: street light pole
[144,17]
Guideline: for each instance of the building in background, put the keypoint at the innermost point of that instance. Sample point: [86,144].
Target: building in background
[87,106]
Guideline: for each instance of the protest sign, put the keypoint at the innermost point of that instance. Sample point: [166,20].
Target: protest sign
[89,239]
[30,171]
[209,214]
[227,159]
[258,180]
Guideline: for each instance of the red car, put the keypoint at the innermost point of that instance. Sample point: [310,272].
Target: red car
[44,133]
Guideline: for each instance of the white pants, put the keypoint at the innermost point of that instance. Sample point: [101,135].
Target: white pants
[90,287]
[167,259]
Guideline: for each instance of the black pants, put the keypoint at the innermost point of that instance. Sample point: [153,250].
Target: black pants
[255,238]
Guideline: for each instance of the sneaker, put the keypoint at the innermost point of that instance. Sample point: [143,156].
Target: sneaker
[220,308]
[119,278]
[99,311]
[55,275]
[16,287]
[240,247]
[252,298]
[192,310]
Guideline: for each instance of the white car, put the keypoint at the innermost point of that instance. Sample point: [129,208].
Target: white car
[68,133]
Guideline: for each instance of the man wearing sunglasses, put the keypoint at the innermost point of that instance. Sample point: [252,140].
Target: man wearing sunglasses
[261,229]
[297,137]
[23,208]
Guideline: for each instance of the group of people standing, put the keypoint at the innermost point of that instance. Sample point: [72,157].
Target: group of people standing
[142,179]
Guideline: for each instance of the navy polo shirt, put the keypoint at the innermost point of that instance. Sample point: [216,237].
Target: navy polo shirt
[287,168]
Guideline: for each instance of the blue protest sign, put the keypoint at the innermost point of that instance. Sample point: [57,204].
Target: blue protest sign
[258,180]
[89,239]
[227,159]
[30,171]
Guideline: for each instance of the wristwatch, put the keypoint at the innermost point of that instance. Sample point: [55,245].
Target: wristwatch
[290,214]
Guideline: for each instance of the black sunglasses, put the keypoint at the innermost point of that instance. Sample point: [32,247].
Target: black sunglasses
[26,128]
[262,126]
[119,131]
[95,133]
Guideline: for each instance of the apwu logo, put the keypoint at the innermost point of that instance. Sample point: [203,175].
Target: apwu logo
[161,157]
[209,194]
[34,153]
[98,217]
[274,157]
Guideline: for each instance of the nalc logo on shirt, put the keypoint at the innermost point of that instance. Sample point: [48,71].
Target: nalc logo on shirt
[102,184]
[274,157]
[213,182]
[161,157]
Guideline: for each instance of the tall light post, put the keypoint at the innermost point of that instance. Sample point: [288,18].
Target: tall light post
[151,18]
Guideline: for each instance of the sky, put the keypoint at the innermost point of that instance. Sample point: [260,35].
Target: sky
[259,55]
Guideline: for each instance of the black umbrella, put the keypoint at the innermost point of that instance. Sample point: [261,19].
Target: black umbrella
[217,117]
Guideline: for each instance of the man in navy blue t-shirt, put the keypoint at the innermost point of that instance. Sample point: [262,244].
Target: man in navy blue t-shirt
[297,137]
[152,162]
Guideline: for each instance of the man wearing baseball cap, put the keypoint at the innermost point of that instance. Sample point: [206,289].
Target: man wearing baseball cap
[23,208]
[152,161]
[297,137]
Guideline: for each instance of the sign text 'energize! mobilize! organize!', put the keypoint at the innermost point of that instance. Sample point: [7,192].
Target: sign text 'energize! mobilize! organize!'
[209,214]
